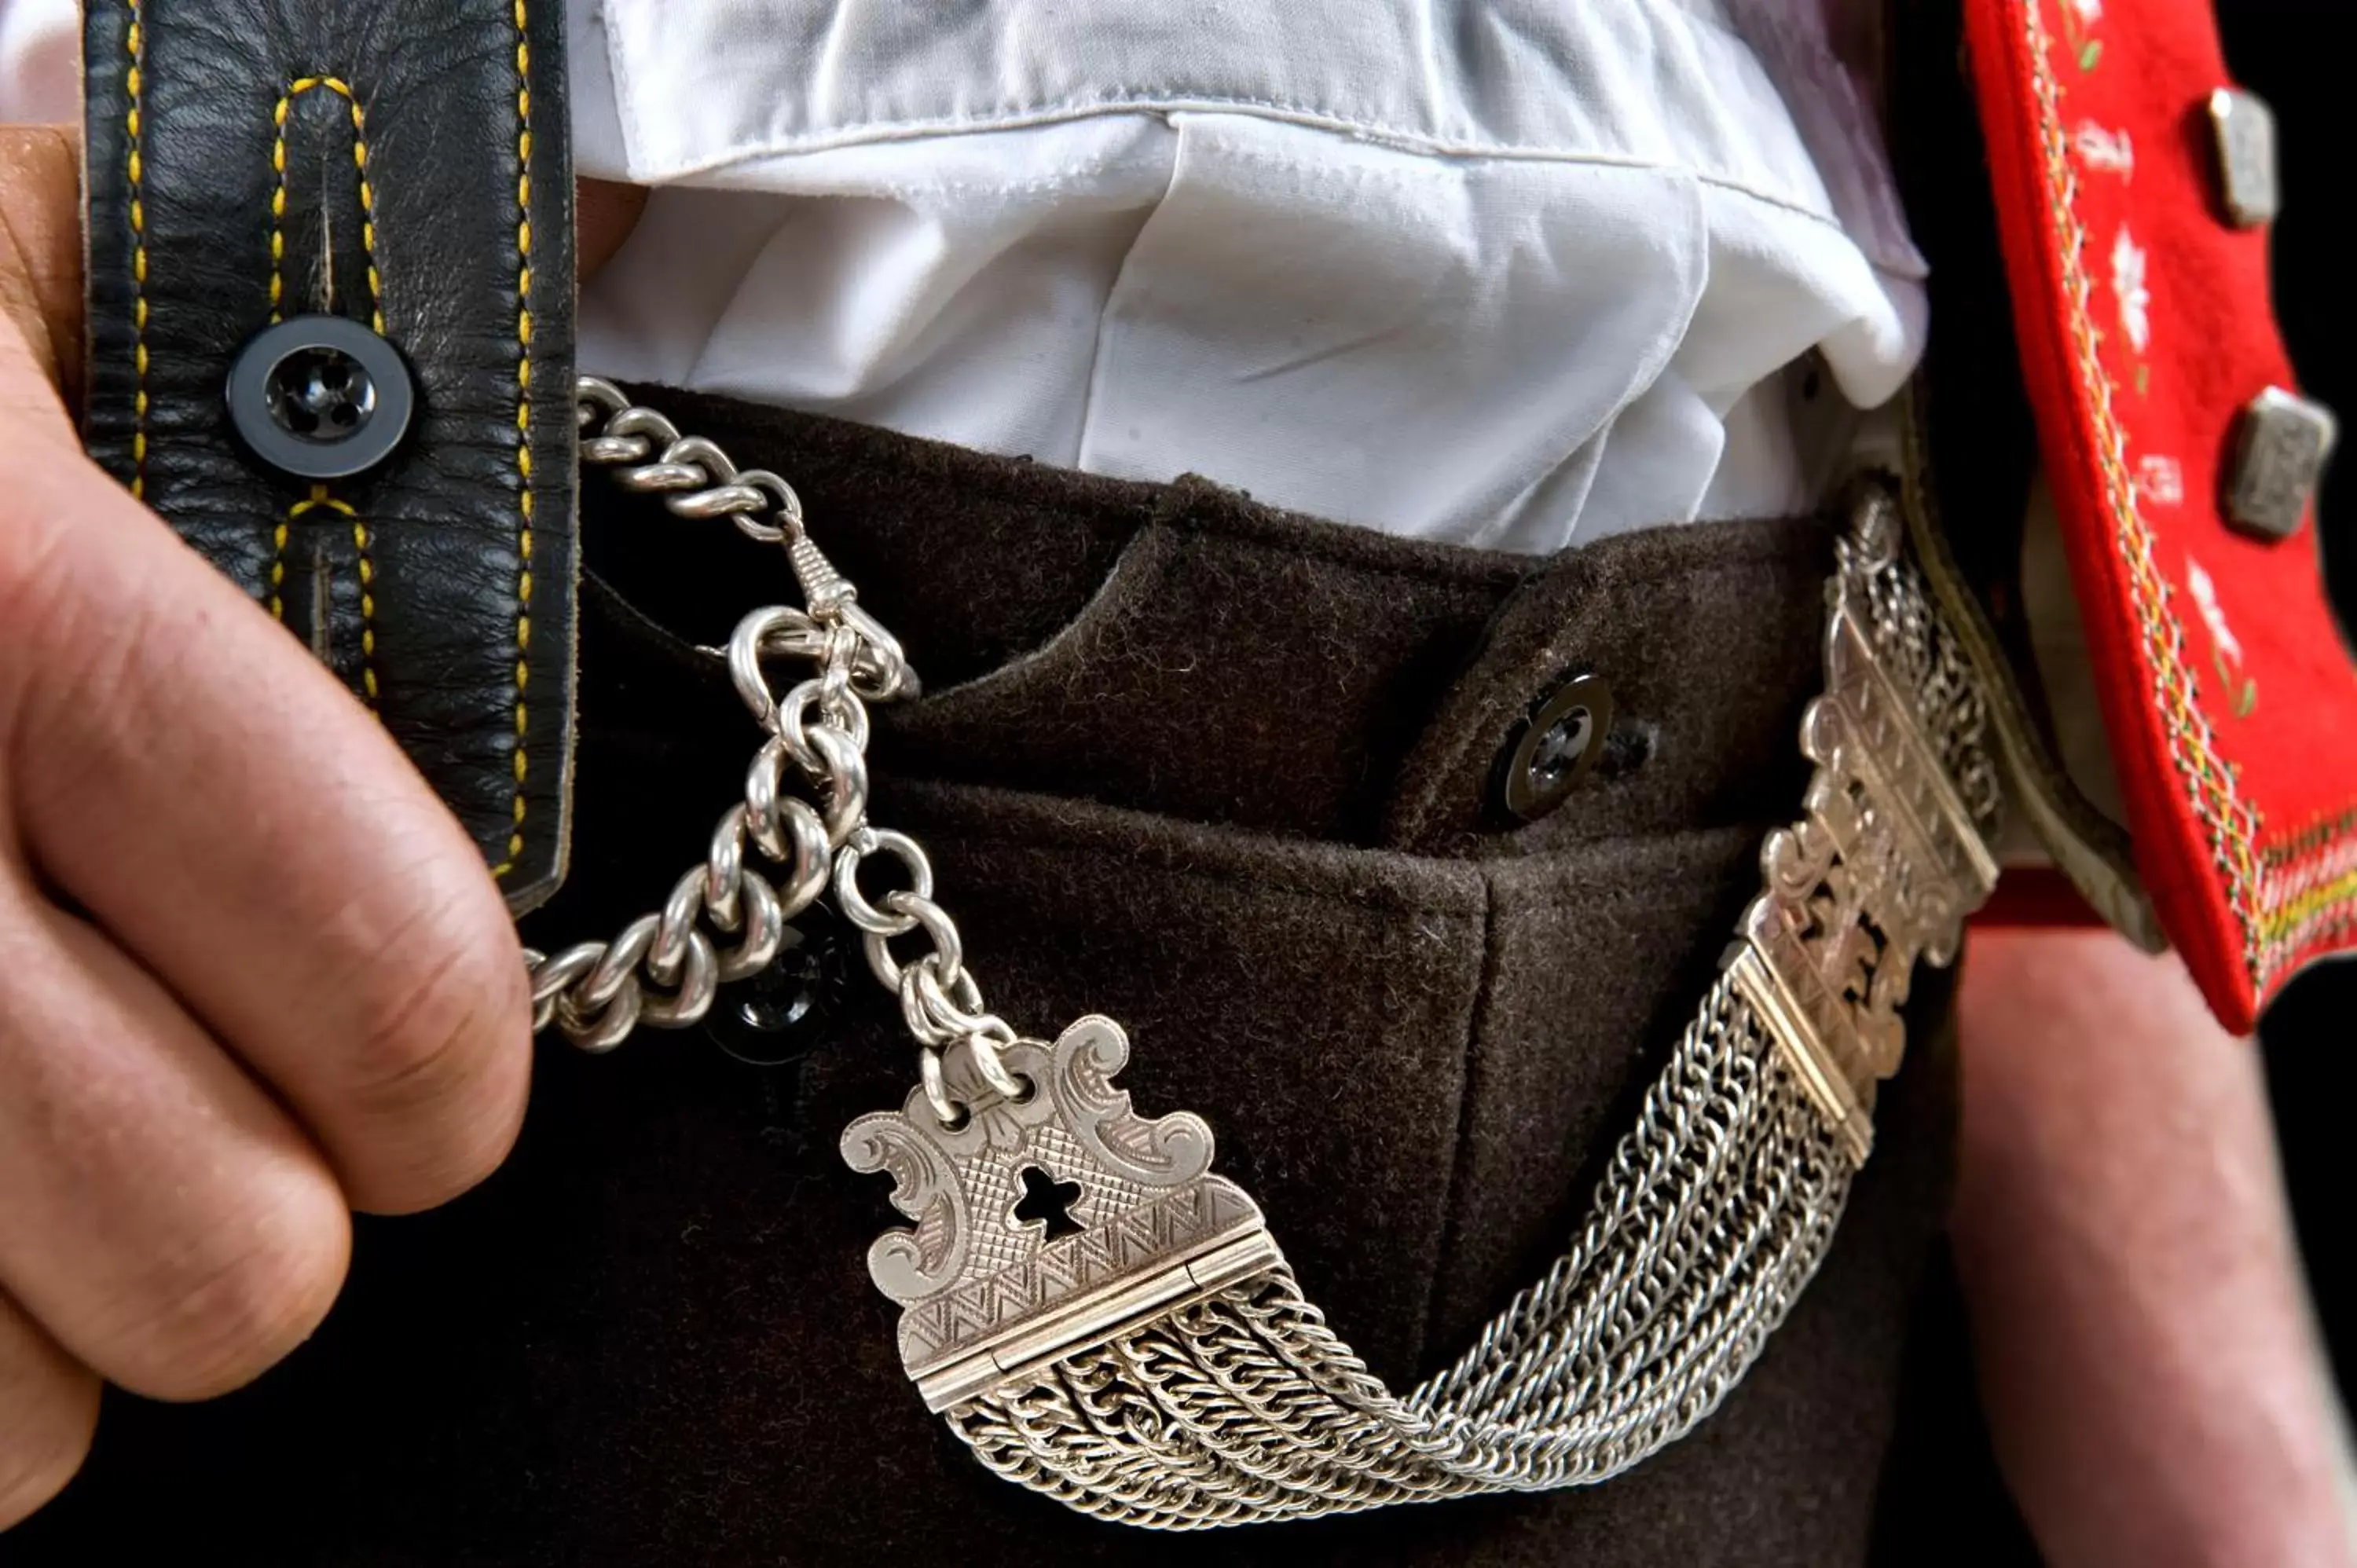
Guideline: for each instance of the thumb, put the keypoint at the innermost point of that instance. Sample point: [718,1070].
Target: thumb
[40,269]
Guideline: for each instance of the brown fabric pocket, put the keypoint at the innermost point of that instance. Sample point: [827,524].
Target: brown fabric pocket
[1412,1061]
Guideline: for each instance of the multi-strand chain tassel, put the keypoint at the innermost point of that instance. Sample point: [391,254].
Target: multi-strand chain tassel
[1162,1367]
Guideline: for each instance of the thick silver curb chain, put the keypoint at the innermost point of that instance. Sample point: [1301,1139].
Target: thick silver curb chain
[1161,1367]
[725,919]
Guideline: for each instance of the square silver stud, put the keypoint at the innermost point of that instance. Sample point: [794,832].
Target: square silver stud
[2280,447]
[2246,129]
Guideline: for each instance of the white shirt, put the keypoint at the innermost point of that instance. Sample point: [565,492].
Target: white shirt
[1510,272]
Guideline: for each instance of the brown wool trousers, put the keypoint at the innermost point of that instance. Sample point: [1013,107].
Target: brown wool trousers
[1228,775]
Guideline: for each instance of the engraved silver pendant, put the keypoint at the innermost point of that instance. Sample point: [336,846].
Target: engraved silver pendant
[1153,1361]
[988,1287]
[1103,1319]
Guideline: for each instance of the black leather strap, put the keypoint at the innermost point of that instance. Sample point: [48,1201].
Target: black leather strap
[403,164]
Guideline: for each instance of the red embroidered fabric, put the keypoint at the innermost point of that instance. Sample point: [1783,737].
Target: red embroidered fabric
[2145,325]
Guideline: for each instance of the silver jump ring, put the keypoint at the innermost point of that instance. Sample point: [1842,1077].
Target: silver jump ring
[551,975]
[940,1020]
[643,422]
[854,903]
[949,948]
[661,476]
[983,1050]
[723,868]
[951,1011]
[938,1017]
[721,500]
[951,1112]
[675,928]
[616,449]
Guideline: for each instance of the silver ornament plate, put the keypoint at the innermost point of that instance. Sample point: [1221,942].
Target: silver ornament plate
[987,1293]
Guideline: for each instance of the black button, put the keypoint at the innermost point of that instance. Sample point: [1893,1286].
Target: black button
[320,397]
[783,1011]
[1556,747]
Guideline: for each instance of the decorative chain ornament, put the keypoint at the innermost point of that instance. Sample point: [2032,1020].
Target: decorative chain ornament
[1158,1365]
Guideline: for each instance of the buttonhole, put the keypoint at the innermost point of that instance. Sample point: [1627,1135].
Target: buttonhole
[1628,747]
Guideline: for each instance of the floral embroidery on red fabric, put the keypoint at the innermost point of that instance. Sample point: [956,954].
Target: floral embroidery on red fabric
[2144,328]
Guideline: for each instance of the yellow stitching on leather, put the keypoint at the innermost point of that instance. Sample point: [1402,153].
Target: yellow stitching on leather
[368,609]
[136,45]
[523,430]
[278,570]
[319,497]
[343,90]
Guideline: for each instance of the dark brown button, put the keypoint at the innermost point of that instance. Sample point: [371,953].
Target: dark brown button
[1555,749]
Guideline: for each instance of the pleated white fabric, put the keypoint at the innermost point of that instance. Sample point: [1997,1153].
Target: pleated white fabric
[1509,273]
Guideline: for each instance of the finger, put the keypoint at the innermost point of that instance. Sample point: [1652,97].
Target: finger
[164,1222]
[185,770]
[48,1408]
[40,271]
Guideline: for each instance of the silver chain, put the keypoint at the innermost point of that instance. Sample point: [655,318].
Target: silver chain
[1232,1401]
[1244,1407]
[726,919]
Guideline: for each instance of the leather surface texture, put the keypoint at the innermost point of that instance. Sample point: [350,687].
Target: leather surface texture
[402,162]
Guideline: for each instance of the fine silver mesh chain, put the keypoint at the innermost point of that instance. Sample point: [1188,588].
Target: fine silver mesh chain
[1238,1404]
[1244,1407]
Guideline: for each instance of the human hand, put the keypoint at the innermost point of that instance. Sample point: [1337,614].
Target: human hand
[253,975]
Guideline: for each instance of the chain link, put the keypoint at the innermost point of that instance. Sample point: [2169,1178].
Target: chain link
[1246,1407]
[1240,1405]
[726,920]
